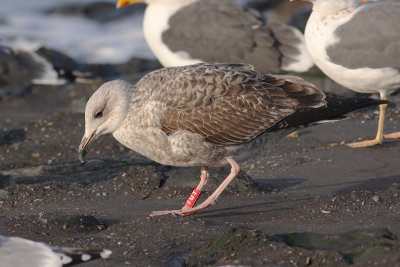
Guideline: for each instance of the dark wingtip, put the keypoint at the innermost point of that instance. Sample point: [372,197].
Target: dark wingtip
[361,102]
[335,109]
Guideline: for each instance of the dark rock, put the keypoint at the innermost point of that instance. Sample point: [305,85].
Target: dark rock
[3,193]
[17,71]
[70,69]
[63,64]
[10,137]
[238,243]
[6,180]
[338,242]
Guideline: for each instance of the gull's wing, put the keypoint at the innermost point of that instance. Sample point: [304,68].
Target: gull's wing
[222,31]
[227,104]
[370,39]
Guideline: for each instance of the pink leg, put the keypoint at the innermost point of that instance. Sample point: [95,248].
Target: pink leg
[211,200]
[204,177]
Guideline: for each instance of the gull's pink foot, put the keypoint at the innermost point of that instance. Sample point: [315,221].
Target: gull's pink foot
[194,196]
[185,211]
[211,200]
[165,212]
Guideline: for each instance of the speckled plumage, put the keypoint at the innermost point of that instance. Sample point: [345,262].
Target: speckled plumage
[200,114]
[207,115]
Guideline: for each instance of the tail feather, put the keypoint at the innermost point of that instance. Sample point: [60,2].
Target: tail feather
[72,256]
[21,252]
[335,109]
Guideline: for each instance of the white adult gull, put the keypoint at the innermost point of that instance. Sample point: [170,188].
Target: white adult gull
[358,46]
[182,32]
[21,252]
[207,115]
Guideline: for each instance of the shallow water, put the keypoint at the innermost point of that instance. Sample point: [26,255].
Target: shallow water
[27,24]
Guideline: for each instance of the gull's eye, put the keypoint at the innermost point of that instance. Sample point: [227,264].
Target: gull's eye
[98,114]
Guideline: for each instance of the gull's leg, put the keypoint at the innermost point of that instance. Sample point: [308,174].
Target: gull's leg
[211,200]
[395,135]
[204,177]
[379,135]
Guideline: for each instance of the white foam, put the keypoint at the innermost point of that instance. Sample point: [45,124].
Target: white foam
[26,25]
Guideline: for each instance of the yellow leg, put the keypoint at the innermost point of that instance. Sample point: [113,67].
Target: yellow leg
[379,136]
[395,135]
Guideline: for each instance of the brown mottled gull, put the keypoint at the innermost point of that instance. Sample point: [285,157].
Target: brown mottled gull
[358,46]
[182,32]
[207,115]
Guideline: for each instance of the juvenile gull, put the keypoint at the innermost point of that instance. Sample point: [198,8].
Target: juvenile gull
[358,46]
[182,32]
[21,252]
[207,115]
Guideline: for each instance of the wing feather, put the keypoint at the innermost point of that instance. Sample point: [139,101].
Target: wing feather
[237,105]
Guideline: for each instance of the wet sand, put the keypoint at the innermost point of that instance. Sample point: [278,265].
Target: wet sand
[345,202]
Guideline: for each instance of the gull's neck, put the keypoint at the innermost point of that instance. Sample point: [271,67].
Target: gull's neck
[335,7]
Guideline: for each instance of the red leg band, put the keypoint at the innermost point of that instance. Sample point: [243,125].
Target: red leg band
[194,196]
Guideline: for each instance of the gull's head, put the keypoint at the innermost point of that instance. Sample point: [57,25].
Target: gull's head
[105,112]
[333,6]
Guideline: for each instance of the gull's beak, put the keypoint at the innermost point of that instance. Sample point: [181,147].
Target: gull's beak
[122,3]
[85,145]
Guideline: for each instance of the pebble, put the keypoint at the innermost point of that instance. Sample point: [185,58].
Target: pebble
[3,194]
[44,221]
[376,198]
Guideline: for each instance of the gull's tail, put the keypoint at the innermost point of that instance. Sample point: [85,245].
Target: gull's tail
[72,256]
[21,252]
[335,109]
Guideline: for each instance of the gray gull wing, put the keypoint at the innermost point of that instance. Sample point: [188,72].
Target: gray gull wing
[222,31]
[371,38]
